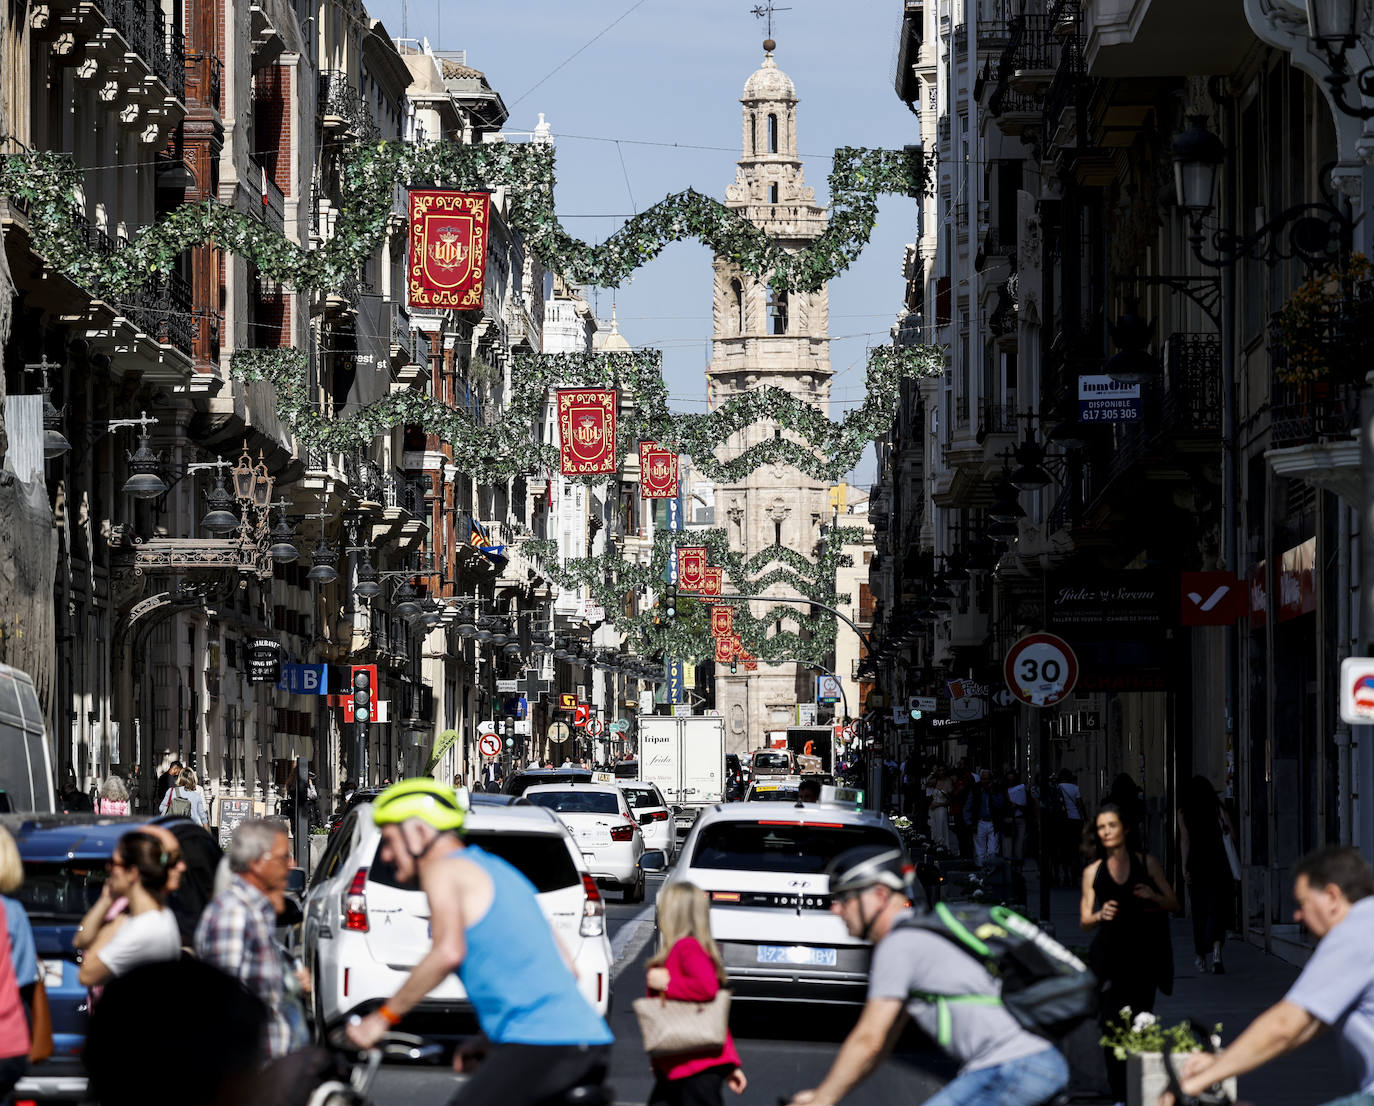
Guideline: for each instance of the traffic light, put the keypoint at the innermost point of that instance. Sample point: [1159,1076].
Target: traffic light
[734,664]
[670,601]
[364,678]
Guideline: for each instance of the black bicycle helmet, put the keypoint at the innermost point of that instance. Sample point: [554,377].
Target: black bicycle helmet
[868,865]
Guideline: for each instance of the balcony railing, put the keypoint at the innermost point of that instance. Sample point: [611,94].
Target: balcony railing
[341,102]
[1314,412]
[144,27]
[1192,387]
[998,418]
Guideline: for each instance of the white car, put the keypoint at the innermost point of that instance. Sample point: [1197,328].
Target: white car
[763,866]
[362,932]
[604,829]
[652,814]
[774,789]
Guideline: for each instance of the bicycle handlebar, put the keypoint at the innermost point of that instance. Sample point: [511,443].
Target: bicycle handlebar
[1215,1095]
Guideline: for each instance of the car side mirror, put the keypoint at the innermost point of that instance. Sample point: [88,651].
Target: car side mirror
[654,861]
[295,881]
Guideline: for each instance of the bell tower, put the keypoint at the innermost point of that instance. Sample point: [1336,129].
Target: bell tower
[769,337]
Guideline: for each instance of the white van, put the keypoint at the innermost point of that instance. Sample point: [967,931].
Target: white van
[26,779]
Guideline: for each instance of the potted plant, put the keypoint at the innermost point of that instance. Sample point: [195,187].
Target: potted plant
[1139,1039]
[1318,337]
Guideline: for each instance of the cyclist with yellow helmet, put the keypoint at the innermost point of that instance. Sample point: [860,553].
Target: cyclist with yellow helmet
[487,926]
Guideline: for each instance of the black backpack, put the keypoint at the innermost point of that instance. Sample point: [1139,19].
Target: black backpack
[1045,987]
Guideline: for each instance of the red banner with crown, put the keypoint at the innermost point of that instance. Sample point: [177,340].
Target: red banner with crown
[728,647]
[586,431]
[657,472]
[691,567]
[448,249]
[722,620]
[711,584]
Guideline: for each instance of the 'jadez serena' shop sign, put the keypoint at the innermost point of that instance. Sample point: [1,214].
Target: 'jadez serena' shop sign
[1127,600]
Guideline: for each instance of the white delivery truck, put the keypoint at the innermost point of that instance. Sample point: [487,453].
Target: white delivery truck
[685,759]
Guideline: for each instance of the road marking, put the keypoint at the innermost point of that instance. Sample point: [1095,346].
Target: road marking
[629,942]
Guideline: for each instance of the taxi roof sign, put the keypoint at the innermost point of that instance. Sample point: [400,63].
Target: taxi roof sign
[848,798]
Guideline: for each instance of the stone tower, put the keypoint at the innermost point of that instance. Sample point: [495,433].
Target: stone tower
[768,338]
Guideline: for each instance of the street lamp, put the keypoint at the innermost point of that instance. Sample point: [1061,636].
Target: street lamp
[367,586]
[1319,233]
[404,604]
[283,550]
[145,467]
[220,519]
[1030,475]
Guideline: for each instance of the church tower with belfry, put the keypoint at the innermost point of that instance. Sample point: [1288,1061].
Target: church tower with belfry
[767,337]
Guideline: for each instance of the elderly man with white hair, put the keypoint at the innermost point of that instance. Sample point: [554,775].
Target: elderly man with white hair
[235,933]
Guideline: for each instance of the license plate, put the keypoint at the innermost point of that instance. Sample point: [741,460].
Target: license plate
[797,954]
[593,837]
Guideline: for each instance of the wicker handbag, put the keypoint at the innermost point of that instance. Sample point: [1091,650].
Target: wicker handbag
[670,1027]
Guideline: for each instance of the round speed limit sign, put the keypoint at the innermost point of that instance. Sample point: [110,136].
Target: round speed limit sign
[1041,669]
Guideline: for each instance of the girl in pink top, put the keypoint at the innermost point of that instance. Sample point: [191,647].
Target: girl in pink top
[688,968]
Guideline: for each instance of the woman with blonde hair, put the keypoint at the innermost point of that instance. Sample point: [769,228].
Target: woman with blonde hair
[184,799]
[688,968]
[114,797]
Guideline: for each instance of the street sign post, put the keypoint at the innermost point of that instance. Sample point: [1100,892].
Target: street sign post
[1040,669]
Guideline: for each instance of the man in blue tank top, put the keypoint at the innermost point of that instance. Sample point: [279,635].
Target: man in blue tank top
[487,926]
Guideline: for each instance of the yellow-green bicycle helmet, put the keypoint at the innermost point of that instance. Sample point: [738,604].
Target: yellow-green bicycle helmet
[423,798]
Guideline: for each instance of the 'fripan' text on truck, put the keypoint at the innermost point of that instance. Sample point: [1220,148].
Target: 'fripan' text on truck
[685,758]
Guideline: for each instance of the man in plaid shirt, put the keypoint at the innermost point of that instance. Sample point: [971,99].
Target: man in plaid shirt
[235,933]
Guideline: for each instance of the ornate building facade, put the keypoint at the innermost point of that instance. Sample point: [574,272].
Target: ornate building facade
[765,337]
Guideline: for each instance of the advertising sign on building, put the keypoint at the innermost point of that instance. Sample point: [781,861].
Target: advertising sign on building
[264,662]
[304,679]
[1110,602]
[1209,598]
[1102,399]
[1297,581]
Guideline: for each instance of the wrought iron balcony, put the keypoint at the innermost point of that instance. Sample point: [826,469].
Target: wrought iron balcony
[1304,414]
[343,108]
[1192,385]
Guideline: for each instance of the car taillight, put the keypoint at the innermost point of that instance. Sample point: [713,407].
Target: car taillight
[658,816]
[623,833]
[593,910]
[355,903]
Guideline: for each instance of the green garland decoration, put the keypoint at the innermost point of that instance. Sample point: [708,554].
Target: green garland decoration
[510,447]
[46,185]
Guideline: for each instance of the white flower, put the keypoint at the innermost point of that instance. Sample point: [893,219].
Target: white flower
[1143,1021]
[1125,1012]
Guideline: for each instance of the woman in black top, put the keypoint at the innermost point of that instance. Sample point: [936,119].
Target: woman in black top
[1126,903]
[1202,822]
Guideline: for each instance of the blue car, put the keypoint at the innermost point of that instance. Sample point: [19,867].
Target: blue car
[64,859]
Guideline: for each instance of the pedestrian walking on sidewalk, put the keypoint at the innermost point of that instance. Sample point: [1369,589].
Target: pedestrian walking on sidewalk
[1018,814]
[1203,828]
[983,812]
[1127,902]
[185,799]
[1334,889]
[18,970]
[114,797]
[1068,818]
[688,968]
[939,785]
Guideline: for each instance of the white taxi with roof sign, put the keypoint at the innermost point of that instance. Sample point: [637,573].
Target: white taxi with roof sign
[763,867]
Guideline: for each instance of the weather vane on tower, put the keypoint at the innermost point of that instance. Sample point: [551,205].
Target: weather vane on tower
[765,11]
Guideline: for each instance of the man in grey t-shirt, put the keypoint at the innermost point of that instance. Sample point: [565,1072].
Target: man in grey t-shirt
[1002,1064]
[1334,888]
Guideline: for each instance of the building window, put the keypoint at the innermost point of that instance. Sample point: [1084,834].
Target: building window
[772,134]
[777,311]
[737,300]
[773,193]
[753,135]
[777,533]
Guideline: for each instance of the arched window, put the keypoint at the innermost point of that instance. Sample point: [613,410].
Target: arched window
[777,312]
[772,134]
[773,193]
[737,300]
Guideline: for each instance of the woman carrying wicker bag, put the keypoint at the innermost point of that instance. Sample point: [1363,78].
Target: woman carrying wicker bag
[688,968]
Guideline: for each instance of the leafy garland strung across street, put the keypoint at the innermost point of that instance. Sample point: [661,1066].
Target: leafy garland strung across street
[509,446]
[650,634]
[47,185]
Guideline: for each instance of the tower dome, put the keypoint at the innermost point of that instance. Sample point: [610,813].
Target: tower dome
[768,82]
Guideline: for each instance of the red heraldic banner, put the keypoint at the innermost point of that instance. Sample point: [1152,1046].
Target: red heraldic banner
[657,472]
[586,431]
[728,647]
[722,620]
[711,585]
[448,249]
[691,567]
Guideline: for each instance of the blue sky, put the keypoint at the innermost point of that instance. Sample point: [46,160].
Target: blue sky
[672,73]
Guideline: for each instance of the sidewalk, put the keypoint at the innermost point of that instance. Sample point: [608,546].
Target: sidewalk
[1252,983]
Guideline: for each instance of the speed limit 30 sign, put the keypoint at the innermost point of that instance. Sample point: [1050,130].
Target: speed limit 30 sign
[1040,669]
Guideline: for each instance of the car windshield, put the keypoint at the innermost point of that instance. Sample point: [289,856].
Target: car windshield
[576,802]
[771,760]
[626,769]
[803,848]
[543,858]
[641,797]
[61,892]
